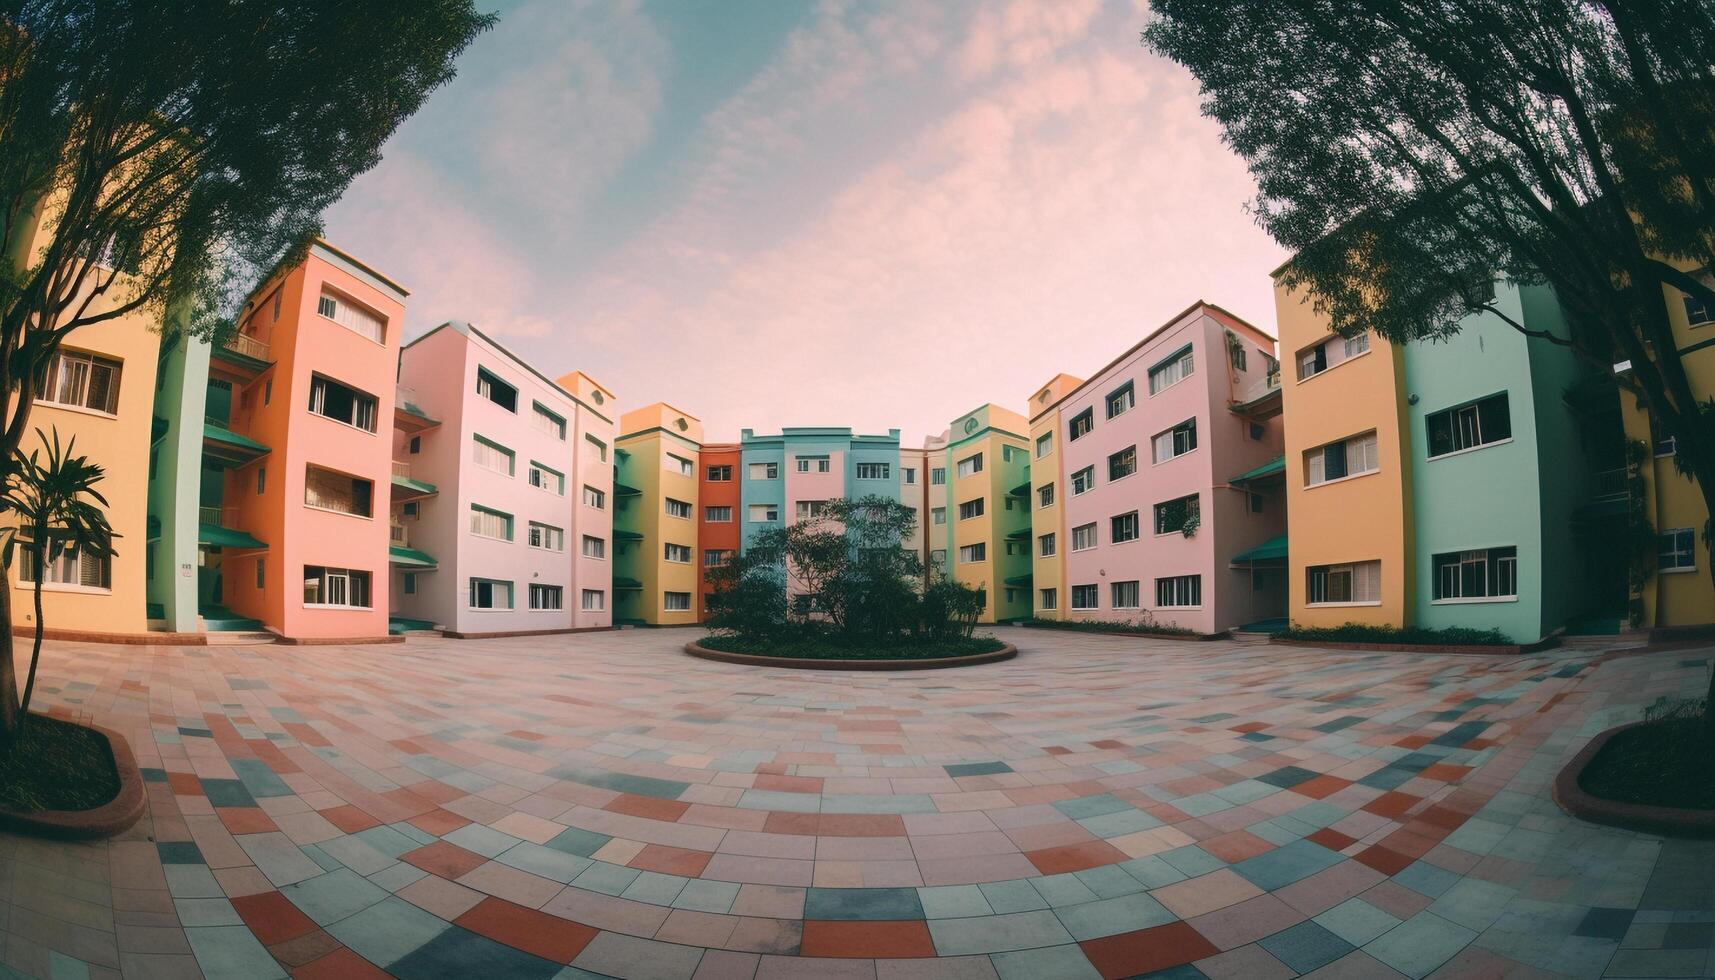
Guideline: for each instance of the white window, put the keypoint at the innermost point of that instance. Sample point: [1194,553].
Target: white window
[1045,495]
[1179,591]
[547,597]
[938,476]
[1085,596]
[597,447]
[677,553]
[489,386]
[717,515]
[1044,445]
[547,422]
[594,547]
[594,498]
[1049,599]
[764,471]
[1172,516]
[341,492]
[546,536]
[938,515]
[595,600]
[1678,551]
[1485,573]
[680,465]
[1125,595]
[1480,423]
[970,509]
[352,317]
[1354,583]
[84,380]
[492,455]
[716,557]
[908,475]
[719,474]
[807,509]
[1357,345]
[342,403]
[676,601]
[1330,353]
[1122,464]
[81,569]
[1176,441]
[1081,425]
[1045,545]
[764,513]
[487,593]
[1124,528]
[972,553]
[821,464]
[970,465]
[874,471]
[678,508]
[544,478]
[1170,372]
[1340,459]
[1083,480]
[1084,537]
[345,587]
[486,523]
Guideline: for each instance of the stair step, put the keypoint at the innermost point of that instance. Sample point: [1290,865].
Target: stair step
[239,638]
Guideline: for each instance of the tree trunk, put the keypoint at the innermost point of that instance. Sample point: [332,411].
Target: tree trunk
[10,717]
[36,646]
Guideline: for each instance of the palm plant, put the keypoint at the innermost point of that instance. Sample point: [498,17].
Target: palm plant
[59,512]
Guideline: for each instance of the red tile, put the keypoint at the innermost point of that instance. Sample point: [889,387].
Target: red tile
[272,917]
[184,784]
[1446,772]
[350,819]
[671,860]
[1321,787]
[1057,750]
[648,806]
[1383,859]
[1108,743]
[867,940]
[1444,817]
[527,736]
[800,824]
[789,784]
[435,791]
[438,822]
[245,820]
[342,964]
[1392,805]
[1075,857]
[1414,741]
[1249,726]
[1333,840]
[1147,950]
[547,936]
[447,860]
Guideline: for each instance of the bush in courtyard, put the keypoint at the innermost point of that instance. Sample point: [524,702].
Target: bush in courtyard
[1451,636]
[1144,626]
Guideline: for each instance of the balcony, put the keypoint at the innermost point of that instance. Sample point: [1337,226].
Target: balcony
[406,487]
[407,416]
[239,359]
[398,535]
[1610,484]
[223,445]
[217,527]
[1259,400]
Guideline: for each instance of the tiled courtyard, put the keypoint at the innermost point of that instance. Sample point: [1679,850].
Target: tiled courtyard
[603,805]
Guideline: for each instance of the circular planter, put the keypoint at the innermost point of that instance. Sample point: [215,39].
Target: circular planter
[1667,821]
[113,817]
[810,663]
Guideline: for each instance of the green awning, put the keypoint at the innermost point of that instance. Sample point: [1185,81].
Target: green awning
[154,526]
[1019,580]
[224,537]
[409,557]
[1271,468]
[1274,549]
[410,409]
[1022,490]
[1022,534]
[227,437]
[627,583]
[413,487]
[619,535]
[1609,509]
[622,490]
[157,428]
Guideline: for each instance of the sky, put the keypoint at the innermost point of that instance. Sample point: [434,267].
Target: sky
[813,212]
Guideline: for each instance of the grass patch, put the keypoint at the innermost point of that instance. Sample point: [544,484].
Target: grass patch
[1668,761]
[1451,636]
[55,765]
[828,649]
[1108,626]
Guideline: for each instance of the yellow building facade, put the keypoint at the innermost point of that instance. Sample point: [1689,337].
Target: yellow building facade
[988,509]
[1048,539]
[656,578]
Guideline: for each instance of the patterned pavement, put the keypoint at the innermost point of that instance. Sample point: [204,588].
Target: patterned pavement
[600,804]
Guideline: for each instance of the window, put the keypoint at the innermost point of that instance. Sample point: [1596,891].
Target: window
[938,515]
[594,498]
[908,475]
[1122,464]
[1121,400]
[261,573]
[261,480]
[1665,445]
[1084,596]
[972,553]
[1678,550]
[1340,459]
[806,509]
[874,471]
[486,523]
[1081,425]
[351,316]
[970,465]
[1176,441]
[345,587]
[544,478]
[492,455]
[1017,548]
[1123,528]
[1358,582]
[1697,312]
[279,297]
[410,582]
[821,463]
[1486,573]
[594,547]
[1480,423]
[1044,445]
[84,380]
[329,490]
[677,553]
[1237,351]
[717,515]
[1179,591]
[596,446]
[716,557]
[1006,453]
[545,536]
[678,508]
[1172,516]
[1124,595]
[487,593]
[1084,537]
[72,567]
[720,474]
[1358,345]
[1045,545]
[343,403]
[1084,480]
[970,509]
[765,471]
[679,465]
[489,386]
[548,423]
[1170,372]
[1330,353]
[595,600]
[760,513]
[938,557]
[676,601]
[411,509]
[1048,598]
[1045,495]
[547,597]
[938,476]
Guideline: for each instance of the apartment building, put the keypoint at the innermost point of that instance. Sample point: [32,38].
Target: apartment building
[987,511]
[914,465]
[656,578]
[594,433]
[720,509]
[488,513]
[1047,483]
[935,527]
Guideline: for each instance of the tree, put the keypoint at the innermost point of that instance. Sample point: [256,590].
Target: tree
[1409,152]
[158,156]
[60,513]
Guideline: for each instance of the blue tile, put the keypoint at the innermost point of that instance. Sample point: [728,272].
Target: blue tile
[154,775]
[1426,879]
[883,904]
[227,792]
[1605,923]
[180,852]
[259,779]
[1287,777]
[977,768]
[458,953]
[583,843]
[666,789]
[1285,865]
[1092,806]
[1387,777]
[1306,947]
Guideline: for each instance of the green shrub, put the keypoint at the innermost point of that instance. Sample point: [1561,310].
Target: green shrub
[1450,636]
[1147,627]
[835,648]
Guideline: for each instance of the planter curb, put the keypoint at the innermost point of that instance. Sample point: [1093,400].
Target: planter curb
[113,817]
[807,663]
[1511,650]
[1666,821]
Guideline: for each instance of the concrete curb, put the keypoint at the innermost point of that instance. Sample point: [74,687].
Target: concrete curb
[1667,821]
[806,663]
[113,817]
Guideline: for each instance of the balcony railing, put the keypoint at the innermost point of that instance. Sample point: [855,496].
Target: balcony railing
[1611,484]
[1257,389]
[218,516]
[401,469]
[397,534]
[248,346]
